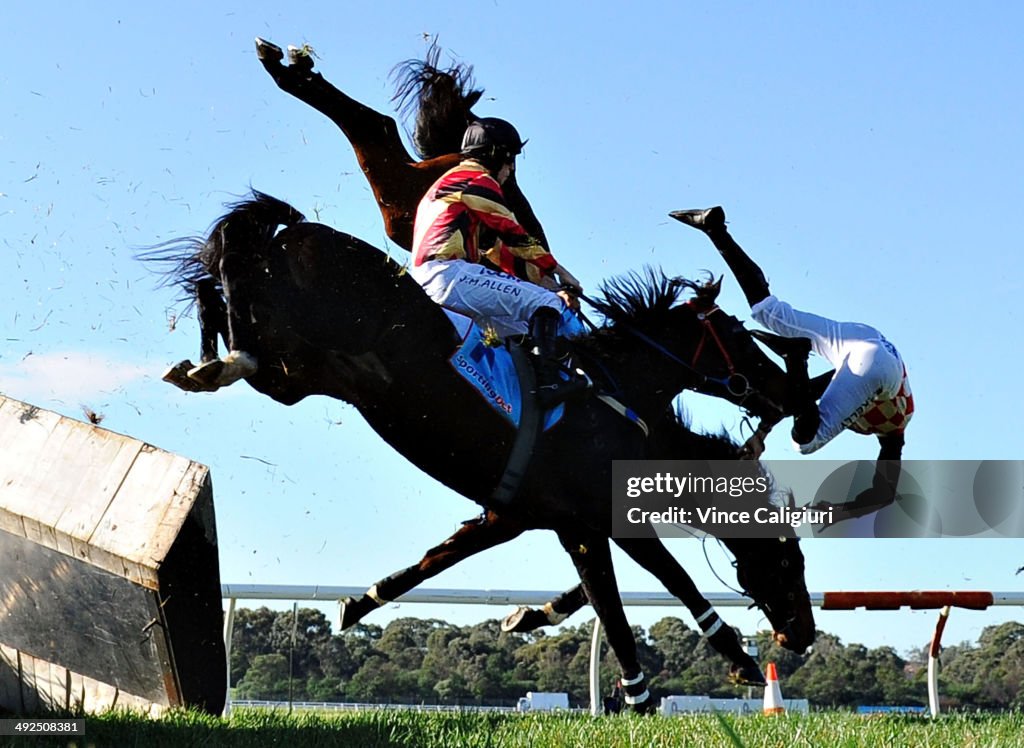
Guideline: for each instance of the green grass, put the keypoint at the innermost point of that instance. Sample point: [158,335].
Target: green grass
[256,728]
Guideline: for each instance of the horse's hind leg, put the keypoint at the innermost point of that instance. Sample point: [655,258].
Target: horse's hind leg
[473,537]
[358,121]
[397,181]
[524,618]
[653,556]
[593,560]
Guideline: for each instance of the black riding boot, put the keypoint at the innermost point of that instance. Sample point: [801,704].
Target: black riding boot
[712,222]
[801,397]
[551,388]
[794,351]
[755,287]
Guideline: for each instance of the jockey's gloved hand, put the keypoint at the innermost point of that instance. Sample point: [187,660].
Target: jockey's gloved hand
[570,298]
[567,281]
[752,448]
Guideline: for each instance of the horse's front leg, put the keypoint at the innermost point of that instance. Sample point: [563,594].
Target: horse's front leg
[473,537]
[652,555]
[593,560]
[212,315]
[230,316]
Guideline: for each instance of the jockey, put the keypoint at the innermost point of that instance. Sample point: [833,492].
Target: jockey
[463,220]
[869,392]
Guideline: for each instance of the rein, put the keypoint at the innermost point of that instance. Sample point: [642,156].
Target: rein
[735,384]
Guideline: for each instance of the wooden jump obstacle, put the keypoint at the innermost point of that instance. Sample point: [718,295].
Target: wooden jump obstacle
[941,600]
[109,577]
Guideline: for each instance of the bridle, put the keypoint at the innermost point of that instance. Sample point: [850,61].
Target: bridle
[774,579]
[736,384]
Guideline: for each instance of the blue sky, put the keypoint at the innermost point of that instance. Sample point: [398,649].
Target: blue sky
[868,155]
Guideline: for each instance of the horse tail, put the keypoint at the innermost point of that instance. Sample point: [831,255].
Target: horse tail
[251,223]
[440,99]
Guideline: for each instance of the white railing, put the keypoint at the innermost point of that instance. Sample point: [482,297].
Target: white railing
[826,600]
[339,706]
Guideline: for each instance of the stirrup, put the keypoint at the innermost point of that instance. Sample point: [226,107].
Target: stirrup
[558,392]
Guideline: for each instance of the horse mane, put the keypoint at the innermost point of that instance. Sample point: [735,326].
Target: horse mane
[183,261]
[672,438]
[643,299]
[440,99]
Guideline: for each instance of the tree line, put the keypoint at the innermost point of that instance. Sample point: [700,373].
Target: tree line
[429,661]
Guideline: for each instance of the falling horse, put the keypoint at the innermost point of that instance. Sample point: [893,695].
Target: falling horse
[442,101]
[326,313]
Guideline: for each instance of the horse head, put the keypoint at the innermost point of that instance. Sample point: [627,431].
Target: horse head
[769,570]
[714,353]
[771,573]
[733,365]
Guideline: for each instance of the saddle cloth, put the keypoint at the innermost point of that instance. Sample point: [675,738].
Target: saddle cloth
[489,369]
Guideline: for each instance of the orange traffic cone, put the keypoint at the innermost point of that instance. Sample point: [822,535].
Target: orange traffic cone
[772,693]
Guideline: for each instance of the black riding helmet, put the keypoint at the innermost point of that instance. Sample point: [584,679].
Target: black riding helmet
[492,141]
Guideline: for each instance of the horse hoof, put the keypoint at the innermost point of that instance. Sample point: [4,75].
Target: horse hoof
[746,675]
[524,619]
[268,51]
[348,617]
[206,374]
[178,376]
[352,610]
[224,371]
[300,57]
[645,707]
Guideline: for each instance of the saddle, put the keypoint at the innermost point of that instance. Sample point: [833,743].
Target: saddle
[504,374]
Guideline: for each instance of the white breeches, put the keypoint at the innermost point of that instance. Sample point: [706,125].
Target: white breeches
[868,367]
[492,298]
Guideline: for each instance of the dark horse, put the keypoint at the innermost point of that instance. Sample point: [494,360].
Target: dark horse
[326,313]
[442,101]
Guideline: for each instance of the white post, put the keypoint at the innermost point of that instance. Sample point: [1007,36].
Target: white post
[595,669]
[750,647]
[229,625]
[933,662]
